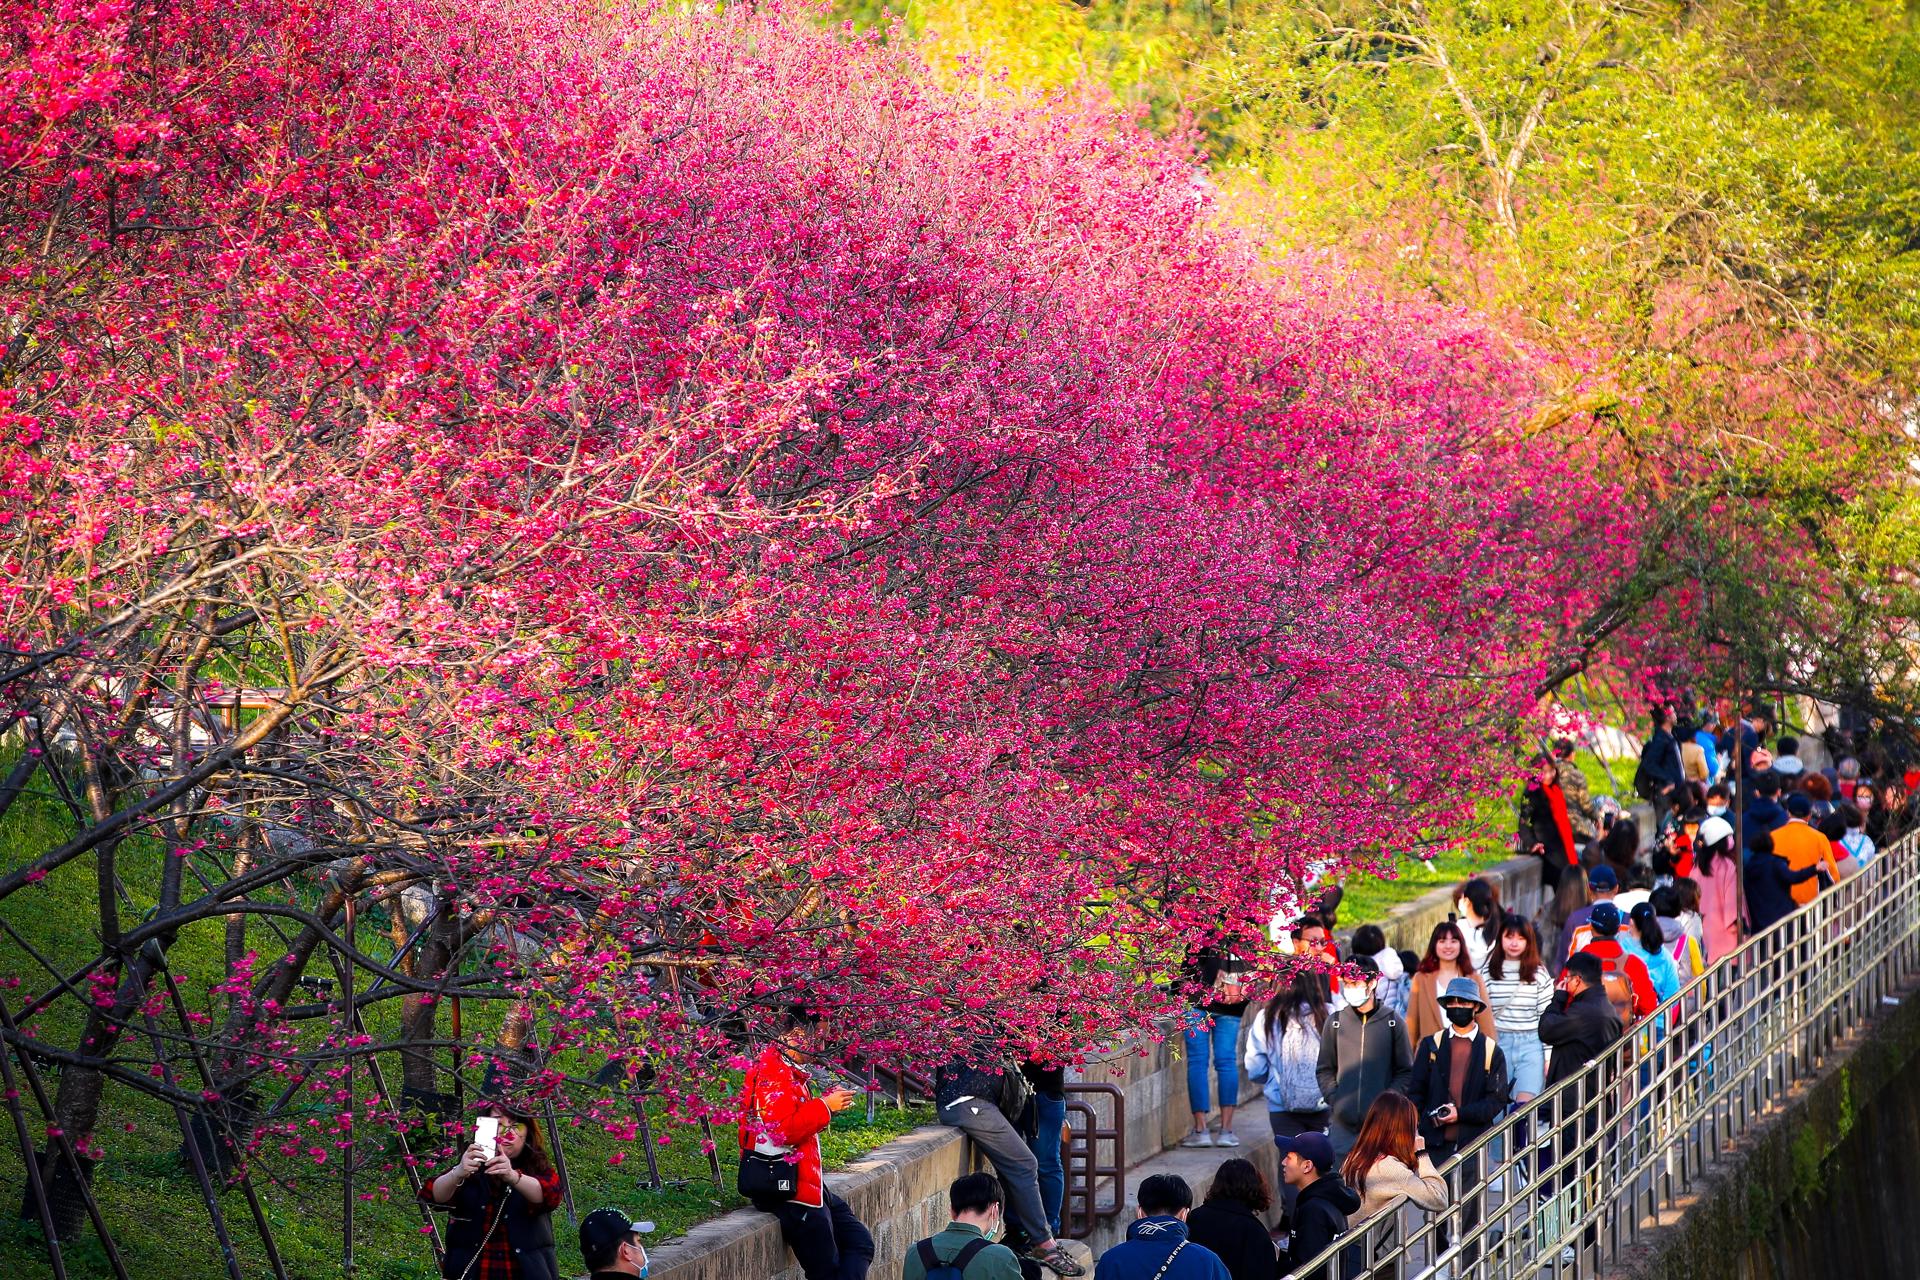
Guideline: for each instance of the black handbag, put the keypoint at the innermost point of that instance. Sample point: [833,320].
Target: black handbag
[764,1177]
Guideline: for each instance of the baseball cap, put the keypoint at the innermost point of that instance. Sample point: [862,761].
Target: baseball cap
[1602,878]
[1605,919]
[1714,830]
[601,1233]
[1799,806]
[1310,1145]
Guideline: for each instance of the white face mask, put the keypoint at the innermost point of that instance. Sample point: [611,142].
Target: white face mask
[1464,908]
[1716,810]
[1356,994]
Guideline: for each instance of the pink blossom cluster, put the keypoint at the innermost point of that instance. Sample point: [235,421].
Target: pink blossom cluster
[838,540]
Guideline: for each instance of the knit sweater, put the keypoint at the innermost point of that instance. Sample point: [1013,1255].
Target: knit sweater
[1388,1180]
[1517,1005]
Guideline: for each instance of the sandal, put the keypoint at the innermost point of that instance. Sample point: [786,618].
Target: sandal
[1058,1260]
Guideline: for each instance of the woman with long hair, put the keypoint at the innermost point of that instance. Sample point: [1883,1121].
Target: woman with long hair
[1389,1160]
[1547,831]
[1620,846]
[1519,989]
[1477,904]
[1283,1058]
[502,1196]
[1446,959]
[1648,941]
[1283,1054]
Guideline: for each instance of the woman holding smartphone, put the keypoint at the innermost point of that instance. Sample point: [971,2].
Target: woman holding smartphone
[500,1194]
[781,1118]
[1389,1160]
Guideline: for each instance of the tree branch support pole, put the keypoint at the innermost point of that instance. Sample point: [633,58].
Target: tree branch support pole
[346,1164]
[379,1077]
[195,1157]
[30,1157]
[260,1224]
[57,1139]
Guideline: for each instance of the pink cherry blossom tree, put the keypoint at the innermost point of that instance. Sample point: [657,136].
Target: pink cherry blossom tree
[642,519]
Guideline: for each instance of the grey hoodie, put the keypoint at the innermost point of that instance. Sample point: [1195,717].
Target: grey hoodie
[1362,1055]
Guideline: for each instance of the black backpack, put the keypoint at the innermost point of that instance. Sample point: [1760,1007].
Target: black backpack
[955,1270]
[1645,785]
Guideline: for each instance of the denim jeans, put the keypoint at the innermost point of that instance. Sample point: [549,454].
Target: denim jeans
[1219,1032]
[1526,1060]
[1049,1114]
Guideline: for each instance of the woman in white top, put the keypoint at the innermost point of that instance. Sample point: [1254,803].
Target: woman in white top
[1477,903]
[1519,989]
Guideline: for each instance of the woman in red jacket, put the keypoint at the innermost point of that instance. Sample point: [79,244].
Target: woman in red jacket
[780,1116]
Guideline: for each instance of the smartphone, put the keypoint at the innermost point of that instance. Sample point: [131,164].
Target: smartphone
[486,1135]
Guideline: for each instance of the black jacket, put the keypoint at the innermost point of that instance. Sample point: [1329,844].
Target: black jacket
[1661,760]
[1484,1098]
[529,1229]
[1577,1031]
[1231,1230]
[1362,1055]
[1319,1218]
[1770,884]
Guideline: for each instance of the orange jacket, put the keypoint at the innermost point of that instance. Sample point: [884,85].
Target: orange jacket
[1804,847]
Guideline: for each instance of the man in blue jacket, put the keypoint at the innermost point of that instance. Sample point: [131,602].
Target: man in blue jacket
[1157,1244]
[1764,811]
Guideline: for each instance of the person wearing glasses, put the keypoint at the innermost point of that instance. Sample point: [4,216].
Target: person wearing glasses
[501,1201]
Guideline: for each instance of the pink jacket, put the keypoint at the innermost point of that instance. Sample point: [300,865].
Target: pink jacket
[1720,905]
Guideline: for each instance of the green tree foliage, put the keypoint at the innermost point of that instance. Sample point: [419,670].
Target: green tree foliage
[1708,214]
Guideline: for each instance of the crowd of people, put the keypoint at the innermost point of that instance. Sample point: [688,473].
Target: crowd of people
[1378,1068]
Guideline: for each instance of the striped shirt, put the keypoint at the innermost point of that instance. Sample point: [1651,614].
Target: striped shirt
[1517,1005]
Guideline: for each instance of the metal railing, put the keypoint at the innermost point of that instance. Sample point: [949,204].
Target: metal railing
[1571,1180]
[1080,1153]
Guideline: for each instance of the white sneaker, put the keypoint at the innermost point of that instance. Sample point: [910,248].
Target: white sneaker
[1227,1138]
[1198,1138]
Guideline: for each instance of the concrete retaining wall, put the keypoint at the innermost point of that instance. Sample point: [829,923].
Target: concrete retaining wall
[1408,925]
[899,1190]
